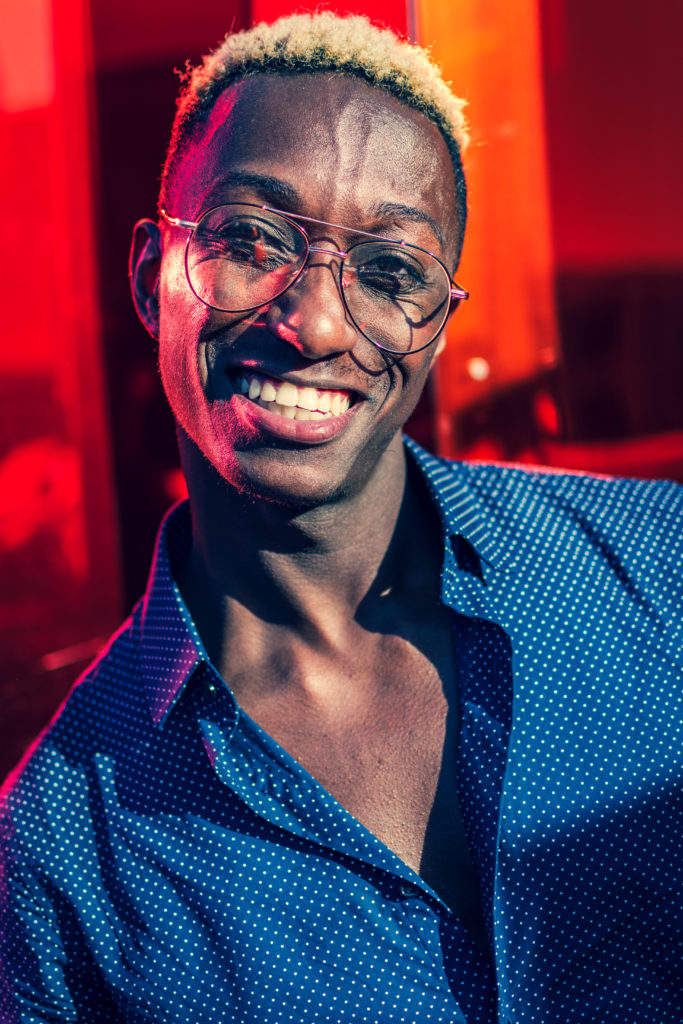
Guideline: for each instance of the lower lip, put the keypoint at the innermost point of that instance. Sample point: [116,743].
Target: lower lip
[303,431]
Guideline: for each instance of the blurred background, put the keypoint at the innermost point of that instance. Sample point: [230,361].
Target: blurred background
[568,354]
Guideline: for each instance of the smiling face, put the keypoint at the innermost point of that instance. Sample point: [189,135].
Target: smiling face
[291,402]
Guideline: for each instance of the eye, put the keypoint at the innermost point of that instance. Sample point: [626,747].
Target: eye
[389,271]
[250,241]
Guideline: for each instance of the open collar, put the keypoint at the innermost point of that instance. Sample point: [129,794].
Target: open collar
[171,650]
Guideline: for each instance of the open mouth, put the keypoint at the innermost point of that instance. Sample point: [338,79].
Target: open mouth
[285,399]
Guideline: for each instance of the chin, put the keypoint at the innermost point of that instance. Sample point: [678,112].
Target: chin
[283,474]
[300,495]
[286,483]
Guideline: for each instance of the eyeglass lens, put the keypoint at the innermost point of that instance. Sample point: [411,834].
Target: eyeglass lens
[240,257]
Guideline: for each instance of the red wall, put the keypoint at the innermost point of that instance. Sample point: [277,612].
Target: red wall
[393,15]
[614,101]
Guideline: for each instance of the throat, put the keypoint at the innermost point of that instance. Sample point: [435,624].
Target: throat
[296,569]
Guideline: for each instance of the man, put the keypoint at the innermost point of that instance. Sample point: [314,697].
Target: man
[295,787]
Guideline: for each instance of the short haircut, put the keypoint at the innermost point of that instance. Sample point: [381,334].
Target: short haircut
[321,42]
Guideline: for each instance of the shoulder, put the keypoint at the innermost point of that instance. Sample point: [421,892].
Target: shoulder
[508,477]
[521,492]
[532,518]
[632,511]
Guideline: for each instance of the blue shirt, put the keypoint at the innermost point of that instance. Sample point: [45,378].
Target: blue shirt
[166,861]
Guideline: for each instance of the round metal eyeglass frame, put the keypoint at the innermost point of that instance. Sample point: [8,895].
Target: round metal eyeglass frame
[456,295]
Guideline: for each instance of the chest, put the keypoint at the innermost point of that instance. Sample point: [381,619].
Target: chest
[381,753]
[379,731]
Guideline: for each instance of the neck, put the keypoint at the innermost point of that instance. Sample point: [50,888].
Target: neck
[307,571]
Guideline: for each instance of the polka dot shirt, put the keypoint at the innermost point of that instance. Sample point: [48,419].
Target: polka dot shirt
[165,860]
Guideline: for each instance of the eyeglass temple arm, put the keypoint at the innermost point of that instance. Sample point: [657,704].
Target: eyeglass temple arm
[177,222]
[458,293]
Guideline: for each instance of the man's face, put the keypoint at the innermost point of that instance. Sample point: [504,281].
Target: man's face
[334,149]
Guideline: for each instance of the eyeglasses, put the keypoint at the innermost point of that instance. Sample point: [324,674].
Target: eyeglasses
[240,256]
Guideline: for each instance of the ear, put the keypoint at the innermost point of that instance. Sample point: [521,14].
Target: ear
[440,345]
[145,261]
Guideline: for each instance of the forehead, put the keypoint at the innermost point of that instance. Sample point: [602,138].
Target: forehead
[340,141]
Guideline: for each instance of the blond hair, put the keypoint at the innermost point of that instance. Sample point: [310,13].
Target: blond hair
[321,42]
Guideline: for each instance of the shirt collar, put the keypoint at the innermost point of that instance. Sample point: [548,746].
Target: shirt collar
[470,507]
[171,649]
[170,646]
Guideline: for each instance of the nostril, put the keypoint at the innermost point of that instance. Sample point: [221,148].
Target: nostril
[286,331]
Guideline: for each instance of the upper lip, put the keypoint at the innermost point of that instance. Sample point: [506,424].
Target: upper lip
[287,376]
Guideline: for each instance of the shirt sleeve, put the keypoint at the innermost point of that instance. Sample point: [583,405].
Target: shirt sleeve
[47,973]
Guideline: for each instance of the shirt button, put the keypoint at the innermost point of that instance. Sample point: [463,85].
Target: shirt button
[406,890]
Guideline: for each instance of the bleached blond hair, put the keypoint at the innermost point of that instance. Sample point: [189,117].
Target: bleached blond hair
[321,42]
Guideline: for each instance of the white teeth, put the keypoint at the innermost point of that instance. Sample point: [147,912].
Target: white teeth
[285,399]
[308,399]
[287,394]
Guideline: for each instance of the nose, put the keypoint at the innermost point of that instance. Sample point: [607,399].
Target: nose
[311,314]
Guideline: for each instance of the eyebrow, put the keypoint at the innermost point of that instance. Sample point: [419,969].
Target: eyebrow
[412,213]
[274,190]
[270,188]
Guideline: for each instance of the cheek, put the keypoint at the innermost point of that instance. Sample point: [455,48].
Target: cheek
[182,320]
[414,380]
[178,354]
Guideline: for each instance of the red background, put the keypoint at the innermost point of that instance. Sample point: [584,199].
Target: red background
[87,450]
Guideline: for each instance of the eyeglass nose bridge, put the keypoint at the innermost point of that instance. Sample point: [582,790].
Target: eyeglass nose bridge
[328,252]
